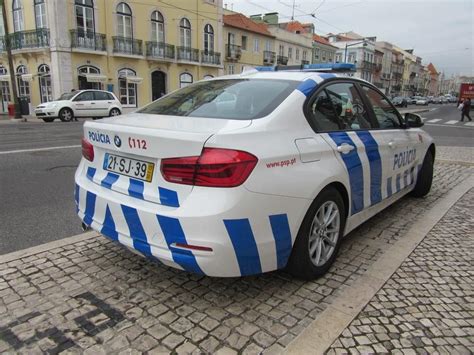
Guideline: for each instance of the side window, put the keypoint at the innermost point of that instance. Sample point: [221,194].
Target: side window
[385,113]
[102,96]
[85,96]
[323,114]
[349,106]
[110,96]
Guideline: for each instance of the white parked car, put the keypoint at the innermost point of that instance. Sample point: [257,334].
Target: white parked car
[82,103]
[422,101]
[250,173]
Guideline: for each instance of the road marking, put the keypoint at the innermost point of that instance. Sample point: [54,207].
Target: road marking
[39,149]
[434,120]
[445,126]
[434,109]
[469,124]
[452,122]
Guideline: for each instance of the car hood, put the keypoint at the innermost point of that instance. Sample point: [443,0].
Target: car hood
[55,103]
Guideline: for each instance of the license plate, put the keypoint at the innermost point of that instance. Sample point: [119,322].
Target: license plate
[137,169]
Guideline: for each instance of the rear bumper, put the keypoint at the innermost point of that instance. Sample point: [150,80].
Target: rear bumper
[249,233]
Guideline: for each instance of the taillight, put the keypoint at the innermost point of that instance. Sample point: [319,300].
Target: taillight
[87,150]
[215,167]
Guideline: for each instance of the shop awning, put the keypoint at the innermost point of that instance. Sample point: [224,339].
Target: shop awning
[96,78]
[133,79]
[4,77]
[27,77]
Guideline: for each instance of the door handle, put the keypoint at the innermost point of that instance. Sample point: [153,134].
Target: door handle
[345,148]
[92,103]
[392,144]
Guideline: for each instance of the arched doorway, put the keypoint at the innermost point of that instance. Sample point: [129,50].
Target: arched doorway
[86,83]
[158,84]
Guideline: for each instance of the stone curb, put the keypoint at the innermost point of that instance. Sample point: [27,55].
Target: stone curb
[326,328]
[46,247]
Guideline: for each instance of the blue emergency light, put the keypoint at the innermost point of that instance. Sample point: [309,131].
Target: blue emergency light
[323,67]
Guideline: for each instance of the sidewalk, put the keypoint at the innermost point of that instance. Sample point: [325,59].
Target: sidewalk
[87,294]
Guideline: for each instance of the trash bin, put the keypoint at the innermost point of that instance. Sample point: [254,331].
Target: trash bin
[11,110]
[24,105]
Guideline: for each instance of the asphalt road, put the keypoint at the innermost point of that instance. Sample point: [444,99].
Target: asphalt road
[36,185]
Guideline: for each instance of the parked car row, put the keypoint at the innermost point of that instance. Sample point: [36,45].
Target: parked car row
[404,101]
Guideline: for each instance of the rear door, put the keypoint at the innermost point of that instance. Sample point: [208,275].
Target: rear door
[84,104]
[400,147]
[103,102]
[342,118]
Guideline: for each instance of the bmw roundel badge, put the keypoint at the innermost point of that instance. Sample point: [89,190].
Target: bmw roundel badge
[117,141]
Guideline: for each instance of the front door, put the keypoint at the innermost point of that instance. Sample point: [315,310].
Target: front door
[399,147]
[84,105]
[158,84]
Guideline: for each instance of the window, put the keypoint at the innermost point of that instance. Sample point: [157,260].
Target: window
[18,24]
[256,45]
[244,42]
[124,21]
[338,57]
[290,52]
[5,86]
[281,50]
[185,33]
[304,55]
[385,113]
[268,45]
[230,69]
[83,82]
[157,27]
[349,112]
[40,14]
[46,91]
[23,86]
[208,76]
[127,90]
[85,96]
[102,96]
[84,10]
[297,54]
[185,79]
[208,39]
[238,99]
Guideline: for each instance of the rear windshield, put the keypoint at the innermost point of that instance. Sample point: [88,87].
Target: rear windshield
[236,99]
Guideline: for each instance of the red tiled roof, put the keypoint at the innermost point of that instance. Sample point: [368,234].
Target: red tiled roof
[295,26]
[244,23]
[432,69]
[322,40]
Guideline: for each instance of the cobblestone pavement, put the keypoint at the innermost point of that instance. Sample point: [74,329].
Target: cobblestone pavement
[427,306]
[94,296]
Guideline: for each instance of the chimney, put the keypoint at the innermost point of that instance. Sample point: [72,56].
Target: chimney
[271,18]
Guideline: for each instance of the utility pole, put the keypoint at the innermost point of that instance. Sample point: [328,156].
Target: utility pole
[10,62]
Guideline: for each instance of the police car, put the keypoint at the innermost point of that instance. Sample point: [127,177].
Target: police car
[250,173]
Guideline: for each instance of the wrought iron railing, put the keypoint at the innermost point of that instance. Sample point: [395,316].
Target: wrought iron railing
[127,45]
[269,57]
[38,38]
[88,40]
[160,50]
[208,57]
[283,60]
[233,51]
[187,54]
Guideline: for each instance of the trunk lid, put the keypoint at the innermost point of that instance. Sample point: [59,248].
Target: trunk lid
[125,141]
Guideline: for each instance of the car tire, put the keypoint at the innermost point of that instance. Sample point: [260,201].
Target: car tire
[307,260]
[425,177]
[66,115]
[48,119]
[114,112]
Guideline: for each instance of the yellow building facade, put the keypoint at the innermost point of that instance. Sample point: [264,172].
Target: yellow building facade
[139,50]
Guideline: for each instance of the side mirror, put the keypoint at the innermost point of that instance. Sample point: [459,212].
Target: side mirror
[413,120]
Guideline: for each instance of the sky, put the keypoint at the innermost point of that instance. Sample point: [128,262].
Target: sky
[439,31]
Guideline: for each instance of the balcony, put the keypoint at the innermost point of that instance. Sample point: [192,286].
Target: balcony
[211,58]
[38,38]
[188,54]
[128,46]
[366,65]
[269,57]
[160,51]
[281,59]
[378,67]
[233,52]
[304,62]
[88,40]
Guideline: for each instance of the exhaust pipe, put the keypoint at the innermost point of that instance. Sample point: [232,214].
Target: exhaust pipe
[85,227]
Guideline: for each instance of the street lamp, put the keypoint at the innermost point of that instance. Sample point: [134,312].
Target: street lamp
[353,44]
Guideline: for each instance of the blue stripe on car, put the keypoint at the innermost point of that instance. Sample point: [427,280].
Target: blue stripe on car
[397,182]
[173,233]
[375,163]
[109,180]
[307,86]
[168,197]
[90,208]
[245,247]
[389,186]
[405,178]
[135,188]
[108,228]
[282,235]
[76,194]
[137,233]
[354,169]
[90,173]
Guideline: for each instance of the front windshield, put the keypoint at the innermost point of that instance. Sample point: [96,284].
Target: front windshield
[66,96]
[238,99]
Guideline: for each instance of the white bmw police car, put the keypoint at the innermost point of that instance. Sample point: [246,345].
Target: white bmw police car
[250,173]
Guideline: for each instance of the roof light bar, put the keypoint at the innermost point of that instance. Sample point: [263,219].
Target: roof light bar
[323,67]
